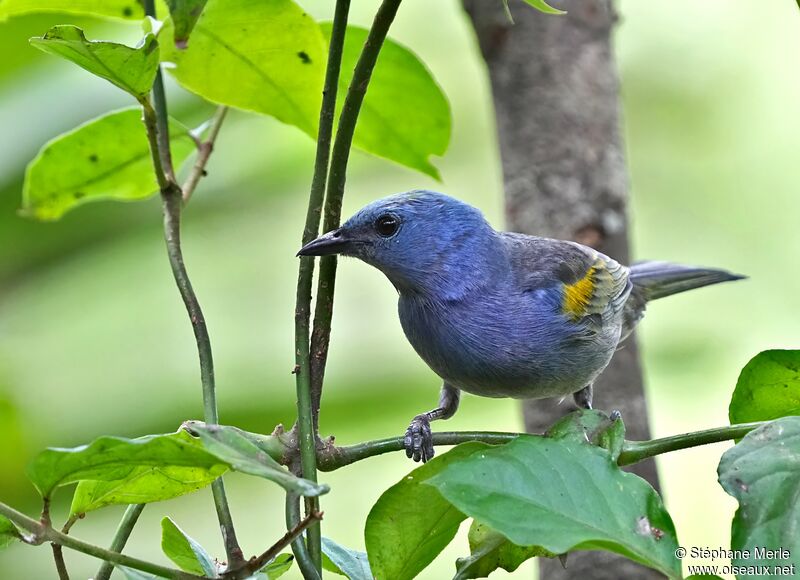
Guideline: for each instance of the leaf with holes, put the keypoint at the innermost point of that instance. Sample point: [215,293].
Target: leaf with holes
[107,158]
[125,9]
[411,523]
[768,387]
[266,57]
[573,497]
[131,69]
[405,116]
[761,472]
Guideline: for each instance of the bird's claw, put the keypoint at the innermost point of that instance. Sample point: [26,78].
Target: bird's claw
[418,441]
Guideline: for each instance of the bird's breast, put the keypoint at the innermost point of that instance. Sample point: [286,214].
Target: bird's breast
[504,344]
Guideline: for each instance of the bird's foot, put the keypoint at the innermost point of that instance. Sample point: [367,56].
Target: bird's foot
[418,440]
[615,415]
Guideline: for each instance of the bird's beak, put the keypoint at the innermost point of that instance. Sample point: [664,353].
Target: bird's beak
[334,242]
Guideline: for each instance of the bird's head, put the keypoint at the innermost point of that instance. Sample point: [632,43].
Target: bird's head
[422,240]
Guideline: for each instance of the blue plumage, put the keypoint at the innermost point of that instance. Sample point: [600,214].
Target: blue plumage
[499,314]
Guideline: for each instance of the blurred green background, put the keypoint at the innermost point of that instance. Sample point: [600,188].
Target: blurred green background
[94,339]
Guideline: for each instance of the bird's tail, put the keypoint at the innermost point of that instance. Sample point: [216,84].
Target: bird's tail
[653,280]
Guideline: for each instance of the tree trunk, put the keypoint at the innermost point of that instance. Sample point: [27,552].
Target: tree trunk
[556,95]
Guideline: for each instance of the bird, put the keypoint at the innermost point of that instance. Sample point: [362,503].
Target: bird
[500,314]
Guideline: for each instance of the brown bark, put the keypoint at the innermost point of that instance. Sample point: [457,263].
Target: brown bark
[556,95]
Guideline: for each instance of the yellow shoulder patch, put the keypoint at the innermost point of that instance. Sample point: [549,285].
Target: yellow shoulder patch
[578,295]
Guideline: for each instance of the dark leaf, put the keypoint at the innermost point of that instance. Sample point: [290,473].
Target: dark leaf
[411,523]
[762,472]
[573,496]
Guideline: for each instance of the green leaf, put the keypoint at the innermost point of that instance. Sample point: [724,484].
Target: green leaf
[761,472]
[106,158]
[184,551]
[405,116]
[131,69]
[144,484]
[543,6]
[411,523]
[491,550]
[8,532]
[275,569]
[242,452]
[265,56]
[591,426]
[768,387]
[184,15]
[344,561]
[125,9]
[573,495]
[115,458]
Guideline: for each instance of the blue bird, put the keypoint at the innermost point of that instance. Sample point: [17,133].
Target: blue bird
[500,314]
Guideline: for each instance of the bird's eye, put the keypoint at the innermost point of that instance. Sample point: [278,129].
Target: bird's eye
[387,225]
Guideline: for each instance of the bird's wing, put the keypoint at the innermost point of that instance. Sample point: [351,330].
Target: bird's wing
[592,284]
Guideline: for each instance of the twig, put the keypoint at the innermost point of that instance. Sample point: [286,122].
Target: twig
[205,149]
[307,404]
[307,567]
[43,533]
[121,536]
[61,566]
[156,123]
[636,451]
[256,563]
[58,553]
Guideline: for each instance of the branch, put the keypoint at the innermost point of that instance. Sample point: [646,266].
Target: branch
[121,536]
[256,563]
[156,123]
[323,313]
[333,457]
[205,149]
[43,533]
[307,403]
[636,451]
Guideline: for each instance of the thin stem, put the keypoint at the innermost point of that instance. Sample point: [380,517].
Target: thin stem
[307,403]
[156,123]
[307,567]
[255,564]
[337,175]
[58,552]
[121,536]
[61,566]
[43,533]
[636,451]
[205,149]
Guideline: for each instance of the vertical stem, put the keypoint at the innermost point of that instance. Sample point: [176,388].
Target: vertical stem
[156,121]
[323,313]
[61,566]
[307,403]
[121,536]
